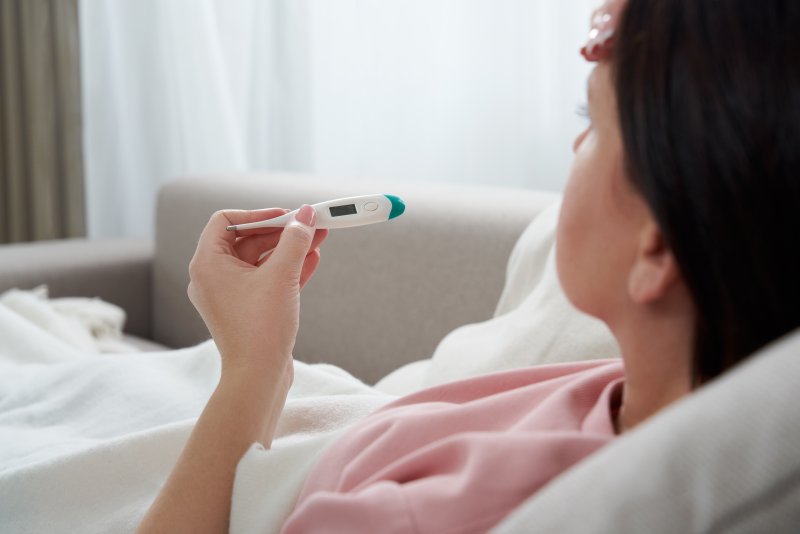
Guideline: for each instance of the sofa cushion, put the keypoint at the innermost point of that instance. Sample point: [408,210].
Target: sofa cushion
[384,295]
[725,459]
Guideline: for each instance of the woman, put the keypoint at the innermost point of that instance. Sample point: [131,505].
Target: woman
[677,230]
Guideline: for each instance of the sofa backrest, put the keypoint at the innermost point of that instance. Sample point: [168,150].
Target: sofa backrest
[384,295]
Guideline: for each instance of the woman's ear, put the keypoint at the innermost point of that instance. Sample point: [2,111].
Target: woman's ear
[654,270]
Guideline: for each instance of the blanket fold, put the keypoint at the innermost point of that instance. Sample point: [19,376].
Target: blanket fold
[87,440]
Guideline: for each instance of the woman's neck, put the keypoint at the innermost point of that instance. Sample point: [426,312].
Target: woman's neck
[657,353]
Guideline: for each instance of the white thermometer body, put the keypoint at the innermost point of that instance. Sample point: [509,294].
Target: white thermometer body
[341,213]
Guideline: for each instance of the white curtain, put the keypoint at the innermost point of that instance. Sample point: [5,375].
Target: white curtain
[476,91]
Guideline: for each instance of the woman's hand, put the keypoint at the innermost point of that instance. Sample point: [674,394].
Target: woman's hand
[251,307]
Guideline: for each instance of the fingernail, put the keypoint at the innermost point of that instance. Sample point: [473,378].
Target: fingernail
[306,215]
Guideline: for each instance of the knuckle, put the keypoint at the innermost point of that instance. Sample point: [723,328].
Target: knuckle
[301,232]
[196,273]
[219,215]
[191,292]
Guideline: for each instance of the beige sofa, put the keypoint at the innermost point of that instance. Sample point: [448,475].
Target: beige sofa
[440,265]
[723,460]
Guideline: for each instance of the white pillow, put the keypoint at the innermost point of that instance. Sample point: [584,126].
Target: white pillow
[533,324]
[725,459]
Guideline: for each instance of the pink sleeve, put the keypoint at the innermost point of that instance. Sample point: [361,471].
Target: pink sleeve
[470,478]
[459,457]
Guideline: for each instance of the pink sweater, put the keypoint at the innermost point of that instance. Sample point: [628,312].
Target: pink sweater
[460,457]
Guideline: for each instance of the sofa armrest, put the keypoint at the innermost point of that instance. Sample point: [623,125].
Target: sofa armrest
[384,295]
[115,270]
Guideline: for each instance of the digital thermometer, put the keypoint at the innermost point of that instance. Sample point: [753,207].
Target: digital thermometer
[341,213]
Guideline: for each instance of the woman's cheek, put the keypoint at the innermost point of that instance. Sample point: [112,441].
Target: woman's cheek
[578,222]
[568,234]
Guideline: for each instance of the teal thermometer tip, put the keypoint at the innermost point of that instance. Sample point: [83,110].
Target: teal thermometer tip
[398,206]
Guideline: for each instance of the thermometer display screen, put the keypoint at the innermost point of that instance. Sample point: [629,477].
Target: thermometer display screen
[347,209]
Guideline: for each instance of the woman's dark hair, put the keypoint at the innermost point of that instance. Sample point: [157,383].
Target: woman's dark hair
[708,93]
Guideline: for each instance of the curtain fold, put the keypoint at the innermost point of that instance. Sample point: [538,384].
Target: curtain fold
[41,161]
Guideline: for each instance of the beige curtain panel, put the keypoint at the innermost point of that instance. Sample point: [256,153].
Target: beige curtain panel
[41,163]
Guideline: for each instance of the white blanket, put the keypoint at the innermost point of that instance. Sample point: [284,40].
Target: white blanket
[86,439]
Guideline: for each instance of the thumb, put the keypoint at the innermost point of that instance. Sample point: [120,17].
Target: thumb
[295,242]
